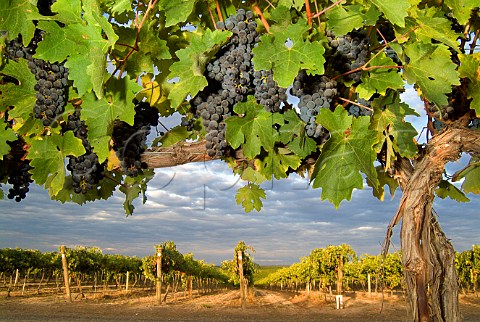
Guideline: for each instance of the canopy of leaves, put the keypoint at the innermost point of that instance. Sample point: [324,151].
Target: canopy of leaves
[157,52]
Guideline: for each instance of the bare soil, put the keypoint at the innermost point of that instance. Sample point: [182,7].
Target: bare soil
[262,305]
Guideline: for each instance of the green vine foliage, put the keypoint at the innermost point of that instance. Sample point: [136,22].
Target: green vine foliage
[157,51]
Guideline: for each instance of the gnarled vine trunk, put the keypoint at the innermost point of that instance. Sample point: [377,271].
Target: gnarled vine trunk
[427,255]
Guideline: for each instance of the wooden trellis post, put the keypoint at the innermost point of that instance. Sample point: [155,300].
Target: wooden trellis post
[243,290]
[159,275]
[68,294]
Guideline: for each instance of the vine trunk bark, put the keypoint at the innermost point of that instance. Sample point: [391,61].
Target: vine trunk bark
[427,255]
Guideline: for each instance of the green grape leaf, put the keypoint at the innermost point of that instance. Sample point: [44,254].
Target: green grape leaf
[371,16]
[250,197]
[470,68]
[471,176]
[16,18]
[191,65]
[133,187]
[99,114]
[282,16]
[394,10]
[343,19]
[249,174]
[175,135]
[462,9]
[388,121]
[446,189]
[6,135]
[348,152]
[293,134]
[48,158]
[151,43]
[86,43]
[68,11]
[176,11]
[93,15]
[378,80]
[22,96]
[120,6]
[131,193]
[277,163]
[253,130]
[431,68]
[286,52]
[55,45]
[473,92]
[297,4]
[383,179]
[77,66]
[433,25]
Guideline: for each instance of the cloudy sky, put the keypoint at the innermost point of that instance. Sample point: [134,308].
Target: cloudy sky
[194,205]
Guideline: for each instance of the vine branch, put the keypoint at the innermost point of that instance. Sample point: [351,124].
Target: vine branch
[318,14]
[264,21]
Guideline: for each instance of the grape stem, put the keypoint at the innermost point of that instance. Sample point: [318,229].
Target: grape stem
[211,15]
[474,42]
[381,35]
[309,12]
[355,103]
[219,10]
[324,10]
[316,10]
[271,4]
[259,12]
[163,126]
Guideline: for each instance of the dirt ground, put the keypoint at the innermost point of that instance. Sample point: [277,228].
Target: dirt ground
[262,305]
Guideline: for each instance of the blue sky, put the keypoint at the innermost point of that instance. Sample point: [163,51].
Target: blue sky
[194,205]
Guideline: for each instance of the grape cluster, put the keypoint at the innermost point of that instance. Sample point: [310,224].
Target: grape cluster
[51,79]
[15,49]
[86,170]
[16,167]
[51,89]
[214,109]
[350,52]
[129,141]
[230,78]
[314,93]
[267,91]
[357,110]
[20,180]
[188,123]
